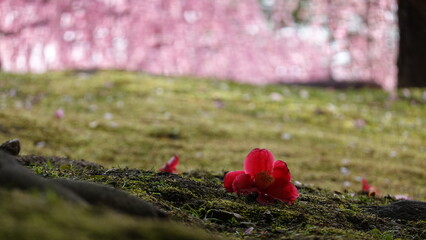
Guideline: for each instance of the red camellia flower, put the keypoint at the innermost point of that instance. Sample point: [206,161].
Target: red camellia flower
[369,189]
[263,175]
[170,166]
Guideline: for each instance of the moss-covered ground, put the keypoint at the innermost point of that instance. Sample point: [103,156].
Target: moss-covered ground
[132,123]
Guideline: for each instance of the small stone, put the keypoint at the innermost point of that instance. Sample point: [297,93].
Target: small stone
[12,146]
[222,215]
[268,217]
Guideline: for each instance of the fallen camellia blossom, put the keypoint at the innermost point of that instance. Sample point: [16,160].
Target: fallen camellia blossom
[369,189]
[170,166]
[263,175]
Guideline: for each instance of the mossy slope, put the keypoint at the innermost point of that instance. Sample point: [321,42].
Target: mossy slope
[329,138]
[199,200]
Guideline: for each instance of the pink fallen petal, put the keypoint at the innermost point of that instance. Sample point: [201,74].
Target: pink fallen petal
[402,197]
[59,114]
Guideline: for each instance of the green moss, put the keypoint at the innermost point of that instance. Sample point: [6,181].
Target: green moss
[199,200]
[35,216]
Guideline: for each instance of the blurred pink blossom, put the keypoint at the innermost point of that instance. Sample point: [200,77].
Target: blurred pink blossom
[344,40]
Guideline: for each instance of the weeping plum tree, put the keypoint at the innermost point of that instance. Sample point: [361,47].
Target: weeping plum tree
[412,49]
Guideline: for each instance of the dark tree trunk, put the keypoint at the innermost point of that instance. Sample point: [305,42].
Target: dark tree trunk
[412,46]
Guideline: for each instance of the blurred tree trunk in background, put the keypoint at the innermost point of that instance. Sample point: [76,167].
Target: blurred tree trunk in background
[412,46]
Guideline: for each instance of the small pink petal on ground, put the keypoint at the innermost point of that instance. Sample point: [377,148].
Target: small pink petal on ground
[359,123]
[59,113]
[402,197]
[345,171]
[264,176]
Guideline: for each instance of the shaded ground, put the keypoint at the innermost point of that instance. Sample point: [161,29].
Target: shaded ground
[198,200]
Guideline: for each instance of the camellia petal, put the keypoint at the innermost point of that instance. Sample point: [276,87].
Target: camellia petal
[371,190]
[365,185]
[258,160]
[281,171]
[243,184]
[264,199]
[170,166]
[229,179]
[174,161]
[283,190]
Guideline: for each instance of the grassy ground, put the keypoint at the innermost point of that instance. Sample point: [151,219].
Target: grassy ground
[132,120]
[329,138]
